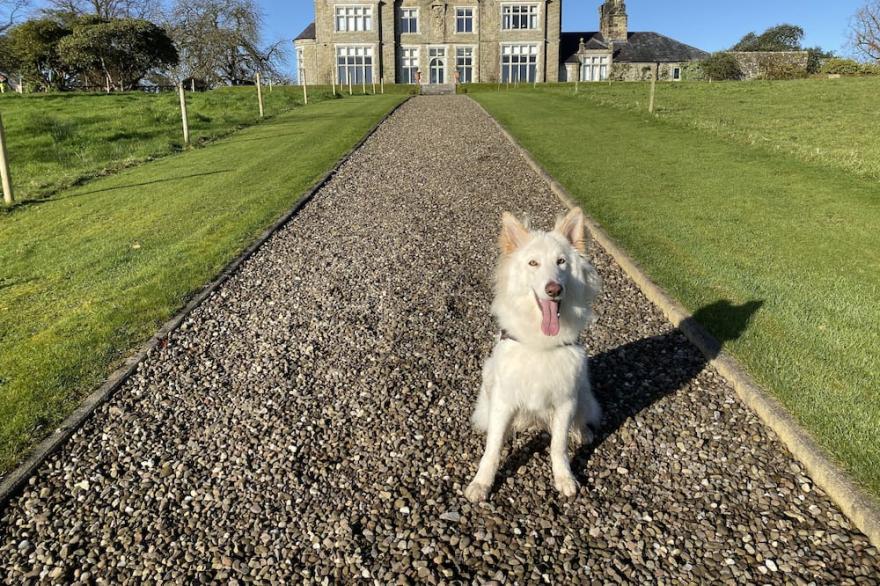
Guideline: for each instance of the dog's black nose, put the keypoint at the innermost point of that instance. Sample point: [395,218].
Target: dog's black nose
[553,289]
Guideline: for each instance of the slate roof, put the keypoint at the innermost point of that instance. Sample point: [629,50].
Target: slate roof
[643,47]
[308,33]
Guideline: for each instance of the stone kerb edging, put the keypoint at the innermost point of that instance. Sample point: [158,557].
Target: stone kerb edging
[861,508]
[15,480]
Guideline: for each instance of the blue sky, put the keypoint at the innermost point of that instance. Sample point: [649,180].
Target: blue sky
[707,24]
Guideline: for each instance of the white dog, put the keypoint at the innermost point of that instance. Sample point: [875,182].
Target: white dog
[536,376]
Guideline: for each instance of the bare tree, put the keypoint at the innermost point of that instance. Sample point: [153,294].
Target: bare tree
[10,11]
[147,9]
[219,41]
[865,34]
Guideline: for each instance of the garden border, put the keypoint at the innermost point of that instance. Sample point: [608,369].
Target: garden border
[13,482]
[860,507]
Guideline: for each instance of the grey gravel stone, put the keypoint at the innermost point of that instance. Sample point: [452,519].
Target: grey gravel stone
[325,389]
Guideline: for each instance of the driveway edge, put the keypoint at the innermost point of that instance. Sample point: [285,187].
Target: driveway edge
[15,480]
[861,508]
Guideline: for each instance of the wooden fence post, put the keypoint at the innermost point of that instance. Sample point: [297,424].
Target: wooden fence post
[270,85]
[364,85]
[305,90]
[8,196]
[374,88]
[653,89]
[382,85]
[183,115]
[349,84]
[259,94]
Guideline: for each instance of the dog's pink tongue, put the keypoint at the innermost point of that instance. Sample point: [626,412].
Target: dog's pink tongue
[550,314]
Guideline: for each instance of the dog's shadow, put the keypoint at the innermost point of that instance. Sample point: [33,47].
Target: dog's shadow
[632,377]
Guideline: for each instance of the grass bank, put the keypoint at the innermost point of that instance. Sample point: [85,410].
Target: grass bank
[711,220]
[828,121]
[92,272]
[58,141]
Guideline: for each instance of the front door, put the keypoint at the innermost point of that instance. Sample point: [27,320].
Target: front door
[438,70]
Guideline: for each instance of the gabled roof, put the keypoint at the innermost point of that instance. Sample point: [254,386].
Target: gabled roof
[308,33]
[645,47]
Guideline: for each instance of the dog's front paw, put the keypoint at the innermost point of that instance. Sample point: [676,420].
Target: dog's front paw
[567,486]
[476,492]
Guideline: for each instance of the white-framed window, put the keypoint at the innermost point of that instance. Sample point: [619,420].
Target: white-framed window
[409,20]
[519,63]
[676,73]
[464,20]
[354,64]
[594,68]
[351,19]
[437,64]
[464,64]
[409,64]
[300,66]
[519,16]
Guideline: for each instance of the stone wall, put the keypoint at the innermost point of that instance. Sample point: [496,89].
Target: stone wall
[756,64]
[644,71]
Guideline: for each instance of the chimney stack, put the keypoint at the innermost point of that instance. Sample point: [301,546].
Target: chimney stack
[613,21]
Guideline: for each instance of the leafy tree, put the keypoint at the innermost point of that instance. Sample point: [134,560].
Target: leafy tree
[817,56]
[865,33]
[31,49]
[117,53]
[784,37]
[721,67]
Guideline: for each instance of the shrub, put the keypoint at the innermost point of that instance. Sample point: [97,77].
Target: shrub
[692,71]
[817,56]
[722,67]
[848,67]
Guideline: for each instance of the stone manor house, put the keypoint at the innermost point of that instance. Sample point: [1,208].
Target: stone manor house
[463,41]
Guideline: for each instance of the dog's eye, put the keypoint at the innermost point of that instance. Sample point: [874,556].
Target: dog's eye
[533,263]
[560,261]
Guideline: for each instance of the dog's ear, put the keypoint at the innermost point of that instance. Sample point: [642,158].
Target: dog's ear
[513,233]
[571,227]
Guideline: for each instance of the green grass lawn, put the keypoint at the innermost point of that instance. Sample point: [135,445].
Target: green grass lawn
[57,141]
[89,274]
[830,121]
[711,219]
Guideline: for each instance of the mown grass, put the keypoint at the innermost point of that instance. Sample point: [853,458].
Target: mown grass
[711,219]
[828,121]
[89,274]
[57,141]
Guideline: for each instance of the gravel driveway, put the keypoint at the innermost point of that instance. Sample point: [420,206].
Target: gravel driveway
[309,422]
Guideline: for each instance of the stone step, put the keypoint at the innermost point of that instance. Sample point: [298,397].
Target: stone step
[436,89]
